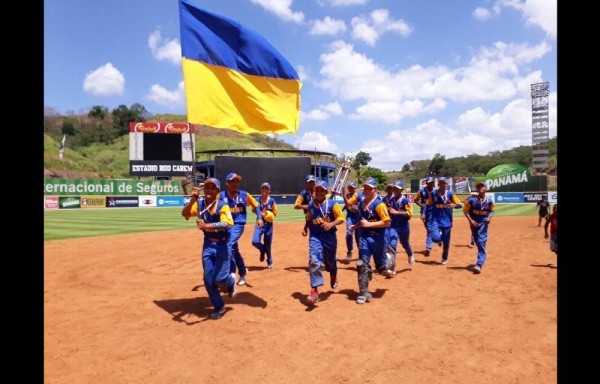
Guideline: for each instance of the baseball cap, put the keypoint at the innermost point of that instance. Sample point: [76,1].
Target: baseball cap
[479,184]
[371,183]
[232,176]
[429,179]
[214,181]
[398,184]
[323,184]
[353,185]
[442,179]
[265,184]
[309,178]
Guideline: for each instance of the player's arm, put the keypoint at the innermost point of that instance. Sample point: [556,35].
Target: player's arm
[456,204]
[308,218]
[546,227]
[225,218]
[191,209]
[384,220]
[274,209]
[417,199]
[408,208]
[298,204]
[466,211]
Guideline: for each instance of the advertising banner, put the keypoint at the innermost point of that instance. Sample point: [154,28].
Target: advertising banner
[51,202]
[461,185]
[553,197]
[121,202]
[170,201]
[512,178]
[69,202]
[533,197]
[87,187]
[93,202]
[147,201]
[504,198]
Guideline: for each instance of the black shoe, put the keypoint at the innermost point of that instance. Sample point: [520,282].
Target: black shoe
[427,252]
[262,256]
[217,313]
[477,269]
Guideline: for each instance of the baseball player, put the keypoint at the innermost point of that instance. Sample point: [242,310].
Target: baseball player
[400,211]
[472,244]
[322,216]
[374,219]
[479,211]
[387,199]
[214,219]
[441,201]
[305,195]
[543,205]
[237,200]
[421,199]
[266,213]
[350,205]
[552,221]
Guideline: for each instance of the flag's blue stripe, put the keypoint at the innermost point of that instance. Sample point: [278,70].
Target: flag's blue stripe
[217,40]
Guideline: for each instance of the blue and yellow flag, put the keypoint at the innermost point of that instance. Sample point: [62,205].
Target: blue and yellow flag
[233,77]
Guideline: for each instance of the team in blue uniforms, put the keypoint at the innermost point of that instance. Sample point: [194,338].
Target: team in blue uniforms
[351,205]
[400,212]
[214,219]
[421,200]
[442,201]
[322,216]
[266,213]
[374,219]
[237,200]
[479,211]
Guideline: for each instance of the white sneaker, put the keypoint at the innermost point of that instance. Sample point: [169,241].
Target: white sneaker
[444,262]
[242,280]
[411,260]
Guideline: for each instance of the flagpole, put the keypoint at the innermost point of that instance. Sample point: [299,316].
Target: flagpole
[193,155]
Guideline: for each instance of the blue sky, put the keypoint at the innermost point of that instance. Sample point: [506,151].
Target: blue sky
[401,80]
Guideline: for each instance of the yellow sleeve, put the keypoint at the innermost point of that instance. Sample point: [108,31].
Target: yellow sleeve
[193,211]
[337,212]
[467,206]
[382,212]
[353,199]
[455,199]
[274,208]
[492,206]
[225,215]
[251,201]
[299,199]
[429,200]
[409,210]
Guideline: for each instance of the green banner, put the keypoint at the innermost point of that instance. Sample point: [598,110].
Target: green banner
[512,178]
[84,187]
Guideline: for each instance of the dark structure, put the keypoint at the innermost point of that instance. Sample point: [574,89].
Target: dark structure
[540,131]
[286,174]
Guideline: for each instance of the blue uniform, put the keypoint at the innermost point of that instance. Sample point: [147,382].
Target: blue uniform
[440,225]
[479,210]
[422,196]
[372,240]
[266,230]
[322,244]
[237,204]
[400,228]
[352,217]
[215,250]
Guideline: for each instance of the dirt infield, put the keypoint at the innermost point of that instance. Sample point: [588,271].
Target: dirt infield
[132,309]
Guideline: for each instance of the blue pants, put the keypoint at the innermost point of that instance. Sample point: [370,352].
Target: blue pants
[440,234]
[236,257]
[401,233]
[215,262]
[349,245]
[373,245]
[480,236]
[428,241]
[267,232]
[321,250]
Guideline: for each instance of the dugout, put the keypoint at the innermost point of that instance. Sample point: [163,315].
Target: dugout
[286,174]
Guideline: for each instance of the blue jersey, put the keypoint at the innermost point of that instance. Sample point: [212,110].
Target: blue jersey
[478,209]
[401,203]
[238,204]
[375,211]
[326,212]
[221,213]
[438,203]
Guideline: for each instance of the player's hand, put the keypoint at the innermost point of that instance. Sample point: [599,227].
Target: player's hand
[546,236]
[423,218]
[195,193]
[326,226]
[260,223]
[304,232]
[201,224]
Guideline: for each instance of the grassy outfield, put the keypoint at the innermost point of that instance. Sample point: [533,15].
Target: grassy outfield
[66,224]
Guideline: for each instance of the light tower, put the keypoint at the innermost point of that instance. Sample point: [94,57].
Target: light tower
[540,131]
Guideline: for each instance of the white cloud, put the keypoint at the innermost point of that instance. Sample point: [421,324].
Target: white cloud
[164,49]
[369,29]
[316,141]
[343,3]
[541,13]
[282,9]
[170,99]
[104,81]
[303,73]
[328,26]
[474,131]
[492,74]
[323,112]
[481,13]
